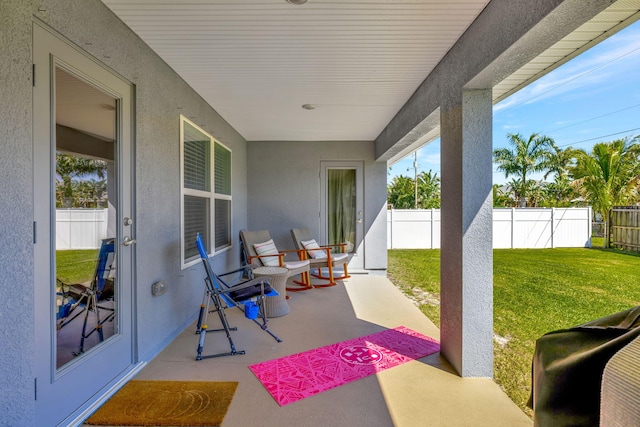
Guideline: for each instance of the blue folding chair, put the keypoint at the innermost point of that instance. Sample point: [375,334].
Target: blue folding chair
[86,299]
[248,296]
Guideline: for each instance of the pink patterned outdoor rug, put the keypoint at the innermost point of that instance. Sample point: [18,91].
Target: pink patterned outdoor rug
[302,375]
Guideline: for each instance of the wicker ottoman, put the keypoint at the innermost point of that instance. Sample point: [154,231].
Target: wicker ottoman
[275,306]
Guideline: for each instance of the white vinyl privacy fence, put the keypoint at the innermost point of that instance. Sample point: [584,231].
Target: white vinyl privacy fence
[80,228]
[512,228]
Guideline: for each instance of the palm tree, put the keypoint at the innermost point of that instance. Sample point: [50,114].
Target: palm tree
[560,192]
[69,167]
[502,198]
[558,162]
[525,157]
[428,190]
[609,175]
[535,193]
[89,193]
[400,193]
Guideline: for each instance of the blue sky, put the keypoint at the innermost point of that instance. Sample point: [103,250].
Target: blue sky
[592,98]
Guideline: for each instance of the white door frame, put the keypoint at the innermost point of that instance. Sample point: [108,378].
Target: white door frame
[64,396]
[357,262]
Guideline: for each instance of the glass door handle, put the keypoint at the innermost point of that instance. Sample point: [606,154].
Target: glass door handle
[128,241]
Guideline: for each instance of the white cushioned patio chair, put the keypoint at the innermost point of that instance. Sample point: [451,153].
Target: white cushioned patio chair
[259,250]
[322,256]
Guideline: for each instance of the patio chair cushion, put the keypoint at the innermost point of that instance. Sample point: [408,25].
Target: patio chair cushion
[267,248]
[340,257]
[313,249]
[294,265]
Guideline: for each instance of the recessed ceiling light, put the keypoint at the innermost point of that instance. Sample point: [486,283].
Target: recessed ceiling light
[309,106]
[298,2]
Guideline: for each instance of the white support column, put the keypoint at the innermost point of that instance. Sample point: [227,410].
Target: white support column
[466,223]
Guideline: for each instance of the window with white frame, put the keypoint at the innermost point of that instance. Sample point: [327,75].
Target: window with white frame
[206,191]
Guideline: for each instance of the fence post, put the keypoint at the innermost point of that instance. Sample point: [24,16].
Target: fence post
[513,225]
[553,223]
[607,229]
[432,225]
[391,229]
[589,222]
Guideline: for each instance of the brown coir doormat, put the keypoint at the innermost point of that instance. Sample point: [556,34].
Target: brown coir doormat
[166,403]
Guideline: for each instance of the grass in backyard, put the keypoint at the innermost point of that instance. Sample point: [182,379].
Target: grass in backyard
[76,266]
[535,291]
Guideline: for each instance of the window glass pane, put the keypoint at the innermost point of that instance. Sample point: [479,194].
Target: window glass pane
[196,220]
[196,159]
[210,198]
[223,223]
[222,170]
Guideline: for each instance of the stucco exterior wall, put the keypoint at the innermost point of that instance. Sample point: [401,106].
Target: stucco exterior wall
[161,96]
[16,209]
[293,168]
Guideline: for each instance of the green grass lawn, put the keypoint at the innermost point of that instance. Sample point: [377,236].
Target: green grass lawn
[76,266]
[535,291]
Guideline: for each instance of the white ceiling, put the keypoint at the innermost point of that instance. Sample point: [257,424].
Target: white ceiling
[358,61]
[258,61]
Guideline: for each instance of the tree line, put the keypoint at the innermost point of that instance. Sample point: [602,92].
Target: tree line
[80,182]
[608,175]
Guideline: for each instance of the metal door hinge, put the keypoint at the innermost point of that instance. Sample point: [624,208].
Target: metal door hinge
[35,239]
[33,74]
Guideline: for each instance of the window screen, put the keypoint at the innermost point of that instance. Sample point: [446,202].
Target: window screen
[206,192]
[196,220]
[222,170]
[222,223]
[197,159]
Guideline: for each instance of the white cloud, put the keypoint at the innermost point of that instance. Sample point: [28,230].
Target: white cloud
[591,69]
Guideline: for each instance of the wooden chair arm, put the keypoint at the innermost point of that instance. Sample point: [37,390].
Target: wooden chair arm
[342,246]
[287,251]
[301,254]
[304,253]
[280,256]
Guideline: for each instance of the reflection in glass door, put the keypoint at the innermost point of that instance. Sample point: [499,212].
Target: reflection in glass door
[85,211]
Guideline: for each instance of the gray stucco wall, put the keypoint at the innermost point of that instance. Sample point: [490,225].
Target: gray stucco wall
[16,262]
[296,176]
[160,97]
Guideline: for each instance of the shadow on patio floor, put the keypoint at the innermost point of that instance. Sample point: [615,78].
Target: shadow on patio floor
[425,392]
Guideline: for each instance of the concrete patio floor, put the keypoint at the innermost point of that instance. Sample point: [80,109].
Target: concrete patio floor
[425,392]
